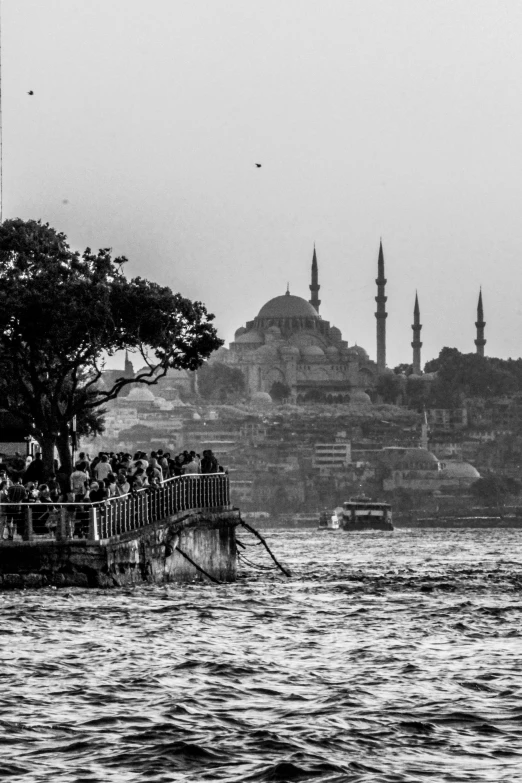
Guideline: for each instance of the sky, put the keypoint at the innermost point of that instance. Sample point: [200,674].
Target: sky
[371,119]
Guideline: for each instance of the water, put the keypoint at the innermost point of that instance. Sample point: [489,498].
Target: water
[386,657]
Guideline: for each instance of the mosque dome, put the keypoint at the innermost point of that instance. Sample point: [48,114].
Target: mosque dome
[275,330]
[141,394]
[288,306]
[249,338]
[239,332]
[262,398]
[356,350]
[459,471]
[359,397]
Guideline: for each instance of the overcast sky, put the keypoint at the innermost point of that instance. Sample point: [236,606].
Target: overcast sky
[392,118]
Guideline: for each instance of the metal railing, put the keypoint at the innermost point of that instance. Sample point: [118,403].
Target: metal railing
[117,515]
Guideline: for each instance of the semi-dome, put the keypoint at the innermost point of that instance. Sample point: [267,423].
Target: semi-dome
[239,332]
[288,306]
[141,395]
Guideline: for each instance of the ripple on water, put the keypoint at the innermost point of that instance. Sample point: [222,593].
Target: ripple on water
[384,658]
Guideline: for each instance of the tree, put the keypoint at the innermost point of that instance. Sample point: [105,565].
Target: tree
[220,383]
[279,391]
[62,313]
[389,387]
[403,369]
[494,490]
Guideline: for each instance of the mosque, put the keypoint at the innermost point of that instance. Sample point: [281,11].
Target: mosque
[289,342]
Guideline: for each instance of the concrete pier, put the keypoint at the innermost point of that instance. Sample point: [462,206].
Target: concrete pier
[154,542]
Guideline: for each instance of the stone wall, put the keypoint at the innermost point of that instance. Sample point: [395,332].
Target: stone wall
[151,554]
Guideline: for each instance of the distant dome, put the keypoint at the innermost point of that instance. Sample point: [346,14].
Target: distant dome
[239,332]
[335,334]
[141,394]
[288,306]
[359,397]
[250,338]
[262,397]
[459,470]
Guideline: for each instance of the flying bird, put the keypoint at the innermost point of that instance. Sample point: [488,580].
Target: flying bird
[30,92]
[258,165]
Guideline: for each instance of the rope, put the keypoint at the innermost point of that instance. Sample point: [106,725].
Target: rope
[285,571]
[198,568]
[254,565]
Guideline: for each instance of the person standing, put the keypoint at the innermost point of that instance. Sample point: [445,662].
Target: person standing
[16,494]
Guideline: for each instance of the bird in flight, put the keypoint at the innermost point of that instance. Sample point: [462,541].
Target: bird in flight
[30,92]
[258,165]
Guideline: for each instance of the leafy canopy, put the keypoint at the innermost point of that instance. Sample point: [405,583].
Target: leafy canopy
[62,313]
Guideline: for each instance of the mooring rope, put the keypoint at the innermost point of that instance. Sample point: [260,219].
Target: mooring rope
[198,567]
[284,570]
[254,565]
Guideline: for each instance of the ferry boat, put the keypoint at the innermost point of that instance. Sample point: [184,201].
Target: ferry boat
[361,513]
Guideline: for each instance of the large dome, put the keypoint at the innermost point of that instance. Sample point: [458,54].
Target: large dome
[288,306]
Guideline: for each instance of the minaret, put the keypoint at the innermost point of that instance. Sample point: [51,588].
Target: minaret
[128,369]
[381,313]
[480,323]
[416,344]
[314,288]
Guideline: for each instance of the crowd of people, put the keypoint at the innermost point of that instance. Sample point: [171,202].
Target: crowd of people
[106,476]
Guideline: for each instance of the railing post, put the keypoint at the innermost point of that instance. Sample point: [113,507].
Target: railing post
[93,524]
[61,530]
[28,523]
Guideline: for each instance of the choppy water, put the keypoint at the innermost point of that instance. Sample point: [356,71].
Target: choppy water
[386,657]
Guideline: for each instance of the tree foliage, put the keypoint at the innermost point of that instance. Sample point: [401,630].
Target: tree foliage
[219,382]
[463,376]
[495,490]
[62,312]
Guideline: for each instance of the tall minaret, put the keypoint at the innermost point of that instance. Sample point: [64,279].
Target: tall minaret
[416,344]
[480,323]
[314,288]
[381,313]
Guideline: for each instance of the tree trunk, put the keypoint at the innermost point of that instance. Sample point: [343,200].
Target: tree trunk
[47,444]
[64,451]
